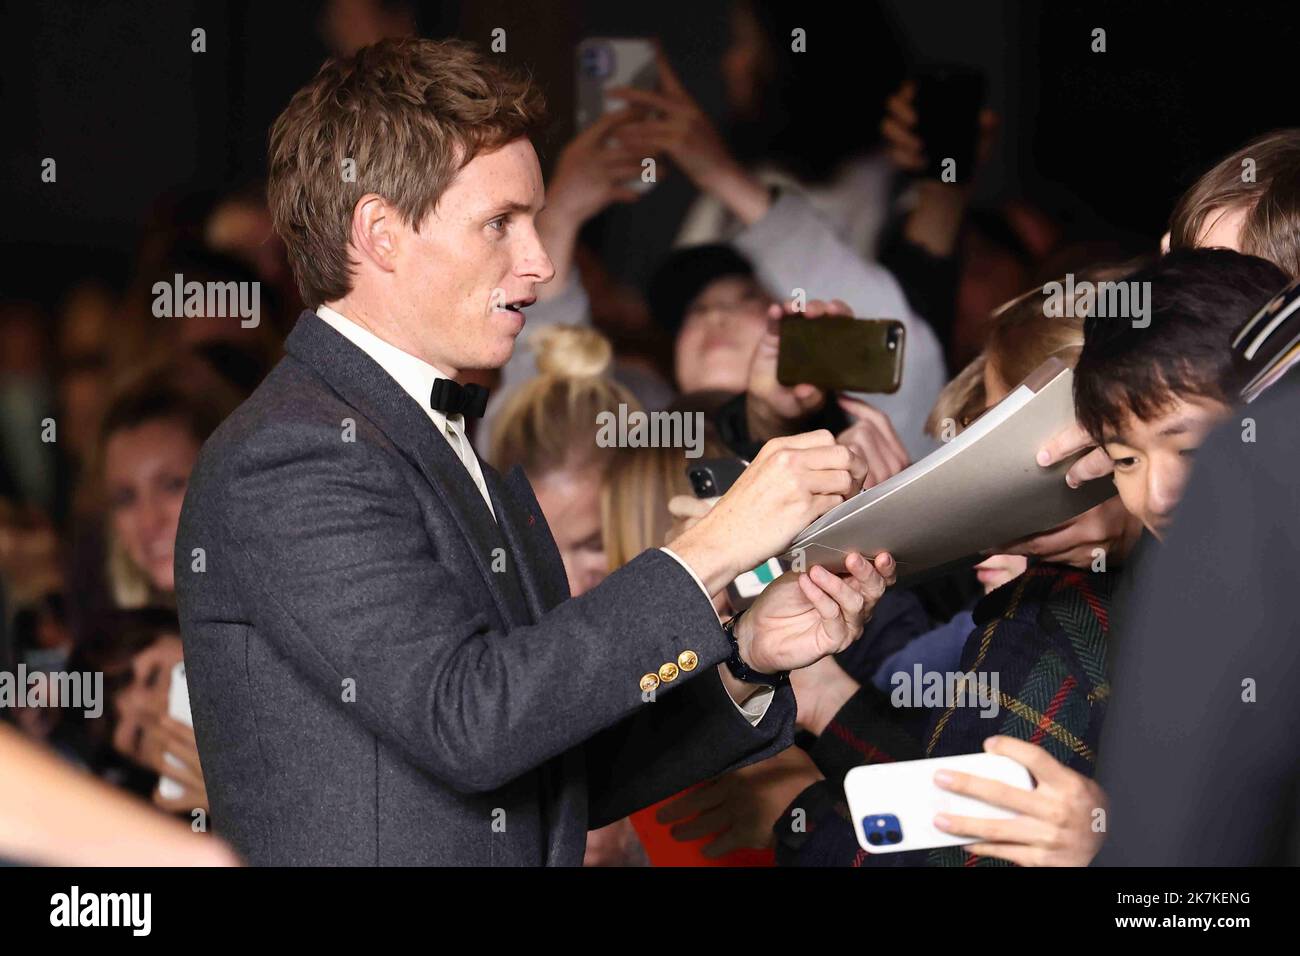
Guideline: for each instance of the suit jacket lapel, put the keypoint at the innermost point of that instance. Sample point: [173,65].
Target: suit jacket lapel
[541,569]
[364,385]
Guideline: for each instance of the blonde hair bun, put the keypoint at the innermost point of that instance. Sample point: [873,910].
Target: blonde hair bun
[571,351]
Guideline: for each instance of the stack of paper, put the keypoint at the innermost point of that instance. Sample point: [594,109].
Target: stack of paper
[979,491]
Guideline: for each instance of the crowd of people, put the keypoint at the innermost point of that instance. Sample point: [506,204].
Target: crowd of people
[106,409]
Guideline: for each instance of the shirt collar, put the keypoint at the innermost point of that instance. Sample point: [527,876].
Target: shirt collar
[414,375]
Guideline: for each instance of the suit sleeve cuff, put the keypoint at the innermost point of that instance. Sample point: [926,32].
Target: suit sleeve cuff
[756,705]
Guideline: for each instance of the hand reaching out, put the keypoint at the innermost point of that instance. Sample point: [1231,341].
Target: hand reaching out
[802,617]
[1061,821]
[773,409]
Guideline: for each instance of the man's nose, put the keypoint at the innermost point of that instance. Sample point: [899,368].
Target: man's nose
[536,264]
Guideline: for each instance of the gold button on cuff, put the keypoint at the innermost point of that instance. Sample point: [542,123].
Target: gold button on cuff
[649,682]
[668,672]
[687,660]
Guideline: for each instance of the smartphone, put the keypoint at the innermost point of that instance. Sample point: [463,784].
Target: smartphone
[948,101]
[711,477]
[178,708]
[893,805]
[605,62]
[841,353]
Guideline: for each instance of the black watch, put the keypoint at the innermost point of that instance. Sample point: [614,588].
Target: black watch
[742,671]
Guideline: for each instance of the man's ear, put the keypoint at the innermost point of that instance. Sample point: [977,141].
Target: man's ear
[376,231]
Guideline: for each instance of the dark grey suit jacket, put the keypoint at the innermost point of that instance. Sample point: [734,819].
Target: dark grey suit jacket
[382,674]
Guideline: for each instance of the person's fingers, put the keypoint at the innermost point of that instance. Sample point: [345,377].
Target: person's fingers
[1021,829]
[596,133]
[832,481]
[647,98]
[864,410]
[838,307]
[844,591]
[901,135]
[817,438]
[704,797]
[824,503]
[1095,464]
[886,567]
[727,842]
[686,506]
[990,791]
[1063,444]
[822,602]
[710,821]
[900,106]
[1042,765]
[870,581]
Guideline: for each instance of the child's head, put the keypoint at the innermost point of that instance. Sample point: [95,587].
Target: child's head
[1150,394]
[1249,202]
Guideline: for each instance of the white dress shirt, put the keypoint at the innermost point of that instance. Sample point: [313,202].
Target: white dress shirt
[416,377]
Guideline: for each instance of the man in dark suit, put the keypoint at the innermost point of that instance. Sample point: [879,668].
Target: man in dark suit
[384,662]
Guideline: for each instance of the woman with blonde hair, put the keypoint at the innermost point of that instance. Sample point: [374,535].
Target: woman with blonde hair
[148,440]
[549,426]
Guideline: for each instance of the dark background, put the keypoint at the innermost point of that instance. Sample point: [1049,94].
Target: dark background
[136,121]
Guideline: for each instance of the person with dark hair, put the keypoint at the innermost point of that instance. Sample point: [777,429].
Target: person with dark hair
[1149,390]
[782,59]
[1200,756]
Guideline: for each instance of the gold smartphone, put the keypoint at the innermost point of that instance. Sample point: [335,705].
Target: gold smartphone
[841,353]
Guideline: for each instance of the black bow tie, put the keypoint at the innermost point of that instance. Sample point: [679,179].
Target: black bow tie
[451,398]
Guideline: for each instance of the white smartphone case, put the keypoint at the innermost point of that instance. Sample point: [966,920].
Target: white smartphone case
[893,805]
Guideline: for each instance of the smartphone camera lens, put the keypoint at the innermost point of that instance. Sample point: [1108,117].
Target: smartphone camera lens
[891,340]
[882,829]
[702,482]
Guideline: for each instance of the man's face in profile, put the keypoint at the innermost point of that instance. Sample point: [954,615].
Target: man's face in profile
[476,260]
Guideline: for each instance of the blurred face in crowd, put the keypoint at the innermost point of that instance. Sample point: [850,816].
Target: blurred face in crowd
[719,335]
[570,500]
[146,472]
[1153,459]
[743,62]
[144,700]
[453,289]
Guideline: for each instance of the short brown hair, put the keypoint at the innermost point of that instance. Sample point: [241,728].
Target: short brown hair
[408,114]
[1271,229]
